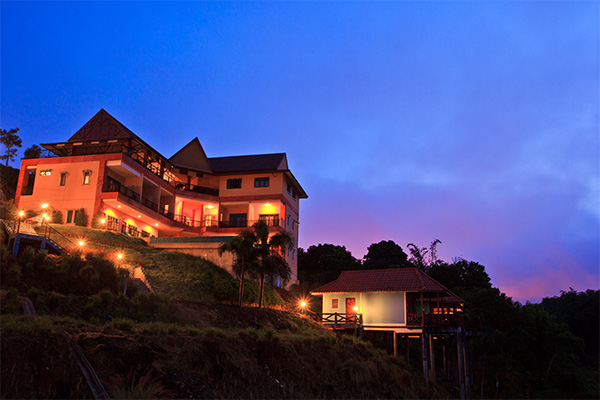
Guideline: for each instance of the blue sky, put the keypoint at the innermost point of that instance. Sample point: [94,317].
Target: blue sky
[476,123]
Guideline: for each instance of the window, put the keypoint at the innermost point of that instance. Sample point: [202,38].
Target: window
[234,183]
[70,216]
[288,219]
[237,220]
[294,195]
[293,224]
[261,182]
[46,172]
[289,188]
[293,254]
[63,179]
[335,303]
[87,174]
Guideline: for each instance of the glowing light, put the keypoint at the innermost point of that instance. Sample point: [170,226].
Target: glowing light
[210,206]
[120,256]
[268,205]
[81,243]
[103,221]
[47,218]
[156,224]
[45,215]
[355,308]
[110,213]
[21,213]
[139,216]
[119,206]
[45,205]
[302,304]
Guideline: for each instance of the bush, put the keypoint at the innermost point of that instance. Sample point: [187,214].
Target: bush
[96,220]
[57,217]
[81,219]
[8,210]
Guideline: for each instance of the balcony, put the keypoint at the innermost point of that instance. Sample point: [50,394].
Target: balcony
[117,187]
[428,319]
[197,189]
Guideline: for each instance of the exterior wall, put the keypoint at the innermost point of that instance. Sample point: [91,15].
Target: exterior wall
[248,189]
[378,309]
[46,189]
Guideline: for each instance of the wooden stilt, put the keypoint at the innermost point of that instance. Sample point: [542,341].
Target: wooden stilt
[424,357]
[444,367]
[407,349]
[459,365]
[431,359]
[395,343]
[466,367]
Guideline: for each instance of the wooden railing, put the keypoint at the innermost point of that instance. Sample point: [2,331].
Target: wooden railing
[340,319]
[435,319]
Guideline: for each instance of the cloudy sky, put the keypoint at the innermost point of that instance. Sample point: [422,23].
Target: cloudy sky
[476,123]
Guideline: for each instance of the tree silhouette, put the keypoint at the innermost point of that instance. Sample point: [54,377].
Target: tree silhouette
[34,151]
[246,256]
[11,141]
[385,254]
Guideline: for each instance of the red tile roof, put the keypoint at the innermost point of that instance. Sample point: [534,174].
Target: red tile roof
[383,280]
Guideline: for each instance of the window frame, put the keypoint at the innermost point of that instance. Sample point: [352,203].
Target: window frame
[262,182]
[232,183]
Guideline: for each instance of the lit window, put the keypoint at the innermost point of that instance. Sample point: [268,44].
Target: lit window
[87,174]
[63,179]
[261,182]
[46,172]
[234,183]
[335,303]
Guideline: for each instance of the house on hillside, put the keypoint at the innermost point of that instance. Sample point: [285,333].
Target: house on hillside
[402,300]
[188,202]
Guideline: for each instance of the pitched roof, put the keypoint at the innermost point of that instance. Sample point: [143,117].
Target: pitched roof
[383,280]
[192,156]
[102,126]
[259,162]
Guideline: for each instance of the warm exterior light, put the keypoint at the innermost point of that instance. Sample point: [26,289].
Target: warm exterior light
[45,215]
[45,205]
[156,224]
[119,256]
[81,243]
[139,216]
[355,308]
[119,206]
[102,221]
[302,304]
[268,205]
[21,213]
[210,206]
[47,218]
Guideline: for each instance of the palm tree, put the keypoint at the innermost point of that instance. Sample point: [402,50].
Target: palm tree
[272,263]
[246,256]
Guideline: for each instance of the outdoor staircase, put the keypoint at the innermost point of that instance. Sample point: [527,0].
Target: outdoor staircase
[24,234]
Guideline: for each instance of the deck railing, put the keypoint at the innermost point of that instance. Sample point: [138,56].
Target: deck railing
[429,319]
[340,320]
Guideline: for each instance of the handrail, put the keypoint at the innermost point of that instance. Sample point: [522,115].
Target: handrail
[340,318]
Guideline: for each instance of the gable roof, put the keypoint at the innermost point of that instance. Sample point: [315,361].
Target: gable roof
[259,162]
[383,280]
[102,126]
[192,156]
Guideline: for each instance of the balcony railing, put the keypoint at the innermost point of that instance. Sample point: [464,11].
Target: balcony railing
[117,187]
[198,189]
[340,320]
[429,319]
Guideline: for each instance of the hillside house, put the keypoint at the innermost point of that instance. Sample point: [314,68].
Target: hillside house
[188,202]
[402,300]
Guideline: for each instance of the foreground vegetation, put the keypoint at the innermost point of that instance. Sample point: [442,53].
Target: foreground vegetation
[185,340]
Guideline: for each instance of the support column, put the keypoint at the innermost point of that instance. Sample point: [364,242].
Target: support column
[424,357]
[395,343]
[460,365]
[431,359]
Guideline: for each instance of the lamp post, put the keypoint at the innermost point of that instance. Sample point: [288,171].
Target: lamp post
[21,214]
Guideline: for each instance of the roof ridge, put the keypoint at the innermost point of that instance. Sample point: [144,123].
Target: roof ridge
[417,272]
[250,155]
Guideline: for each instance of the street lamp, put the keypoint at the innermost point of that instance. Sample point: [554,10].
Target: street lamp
[21,214]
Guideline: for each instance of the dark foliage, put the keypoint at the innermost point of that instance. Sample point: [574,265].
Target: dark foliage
[581,312]
[322,264]
[385,254]
[8,182]
[34,151]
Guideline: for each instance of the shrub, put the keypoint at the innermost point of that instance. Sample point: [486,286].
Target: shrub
[96,219]
[8,210]
[81,219]
[57,217]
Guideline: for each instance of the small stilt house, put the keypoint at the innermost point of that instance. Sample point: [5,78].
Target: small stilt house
[403,300]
